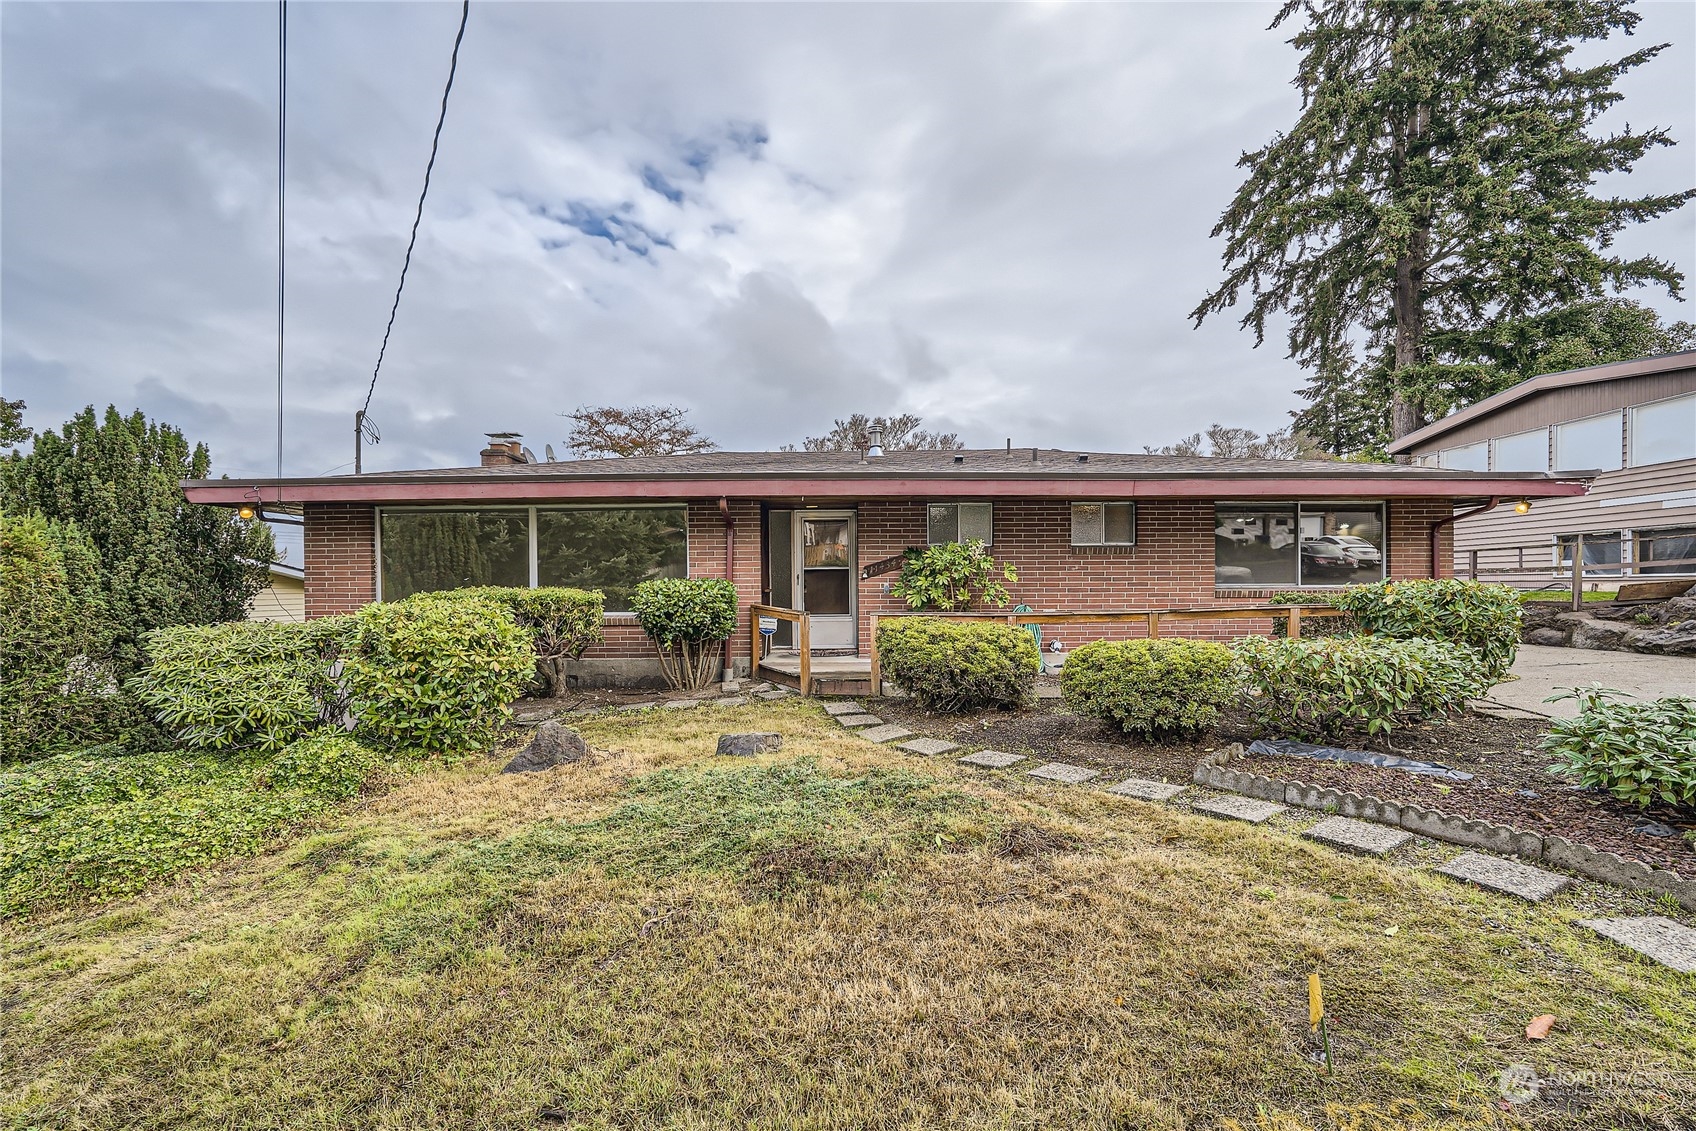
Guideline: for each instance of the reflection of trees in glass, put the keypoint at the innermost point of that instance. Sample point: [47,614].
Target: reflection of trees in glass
[425,551]
[611,549]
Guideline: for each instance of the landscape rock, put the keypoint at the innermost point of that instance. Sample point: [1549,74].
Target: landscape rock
[1602,636]
[747,745]
[554,745]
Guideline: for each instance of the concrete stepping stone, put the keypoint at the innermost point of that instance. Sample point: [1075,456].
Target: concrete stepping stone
[1360,837]
[1240,809]
[992,759]
[1064,772]
[1144,790]
[1669,943]
[888,732]
[779,693]
[928,746]
[859,720]
[847,707]
[757,687]
[1504,876]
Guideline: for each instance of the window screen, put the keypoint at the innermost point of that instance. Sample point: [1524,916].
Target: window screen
[1104,524]
[1523,451]
[1468,457]
[1589,444]
[1663,431]
[960,522]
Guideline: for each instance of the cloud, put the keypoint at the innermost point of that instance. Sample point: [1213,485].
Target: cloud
[994,216]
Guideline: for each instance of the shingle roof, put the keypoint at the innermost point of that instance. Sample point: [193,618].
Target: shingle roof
[1020,463]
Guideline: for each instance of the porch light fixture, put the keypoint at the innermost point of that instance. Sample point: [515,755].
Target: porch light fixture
[245,511]
[1522,507]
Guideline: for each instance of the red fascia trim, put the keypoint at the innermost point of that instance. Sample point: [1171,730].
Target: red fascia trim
[850,490]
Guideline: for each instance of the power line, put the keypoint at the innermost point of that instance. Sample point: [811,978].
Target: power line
[363,423]
[282,197]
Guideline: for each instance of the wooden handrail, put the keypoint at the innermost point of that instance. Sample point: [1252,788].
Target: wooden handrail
[803,640]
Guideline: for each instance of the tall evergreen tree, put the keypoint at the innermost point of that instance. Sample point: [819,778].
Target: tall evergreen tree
[162,560]
[1437,184]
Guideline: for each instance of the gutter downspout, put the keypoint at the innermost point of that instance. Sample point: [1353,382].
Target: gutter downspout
[1437,529]
[730,575]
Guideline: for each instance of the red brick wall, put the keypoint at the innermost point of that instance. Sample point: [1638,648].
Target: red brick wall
[341,557]
[1170,567]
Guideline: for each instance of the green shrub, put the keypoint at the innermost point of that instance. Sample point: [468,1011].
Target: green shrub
[105,824]
[251,683]
[1320,688]
[1483,617]
[1641,752]
[688,619]
[959,665]
[1149,687]
[435,675]
[952,576]
[562,623]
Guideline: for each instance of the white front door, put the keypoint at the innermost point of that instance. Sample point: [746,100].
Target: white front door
[826,577]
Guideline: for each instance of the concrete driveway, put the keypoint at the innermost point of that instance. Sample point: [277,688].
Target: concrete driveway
[1541,670]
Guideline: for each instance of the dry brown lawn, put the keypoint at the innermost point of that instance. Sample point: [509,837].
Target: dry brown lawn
[834,936]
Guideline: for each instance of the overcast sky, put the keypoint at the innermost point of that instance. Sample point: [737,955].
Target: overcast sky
[994,216]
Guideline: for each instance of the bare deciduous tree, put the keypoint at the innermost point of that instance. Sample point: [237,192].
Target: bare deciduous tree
[900,434]
[642,430]
[1220,442]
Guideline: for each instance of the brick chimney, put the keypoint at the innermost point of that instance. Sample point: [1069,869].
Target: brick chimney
[504,448]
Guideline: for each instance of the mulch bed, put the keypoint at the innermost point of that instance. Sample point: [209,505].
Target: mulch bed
[1511,783]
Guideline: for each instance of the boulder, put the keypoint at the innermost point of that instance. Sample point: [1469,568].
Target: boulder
[1602,636]
[749,744]
[554,745]
[1674,640]
[1555,637]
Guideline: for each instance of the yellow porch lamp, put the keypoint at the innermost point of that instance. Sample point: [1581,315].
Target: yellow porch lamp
[246,511]
[1522,507]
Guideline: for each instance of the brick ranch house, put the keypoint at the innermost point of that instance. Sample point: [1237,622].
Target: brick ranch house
[823,531]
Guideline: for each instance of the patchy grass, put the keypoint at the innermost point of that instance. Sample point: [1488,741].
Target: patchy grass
[1565,595]
[836,935]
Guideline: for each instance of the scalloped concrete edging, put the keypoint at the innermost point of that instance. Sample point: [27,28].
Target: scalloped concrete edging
[1605,867]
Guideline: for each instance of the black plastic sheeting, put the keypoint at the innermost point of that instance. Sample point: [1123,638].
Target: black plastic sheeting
[1289,748]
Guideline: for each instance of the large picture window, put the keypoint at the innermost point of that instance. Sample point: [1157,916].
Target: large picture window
[1263,544]
[612,549]
[453,549]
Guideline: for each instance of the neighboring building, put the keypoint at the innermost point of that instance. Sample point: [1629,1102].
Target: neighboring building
[284,598]
[1631,425]
[823,531]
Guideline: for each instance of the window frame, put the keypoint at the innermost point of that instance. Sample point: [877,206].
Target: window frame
[1495,441]
[956,504]
[1103,503]
[1631,459]
[1443,462]
[377,531]
[1555,460]
[1301,507]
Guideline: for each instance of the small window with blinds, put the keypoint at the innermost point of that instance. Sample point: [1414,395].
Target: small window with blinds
[1104,524]
[960,522]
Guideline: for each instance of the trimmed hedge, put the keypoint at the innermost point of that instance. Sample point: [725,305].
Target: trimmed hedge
[562,622]
[262,684]
[1150,687]
[1320,688]
[1639,751]
[688,619]
[1483,617]
[959,665]
[435,675]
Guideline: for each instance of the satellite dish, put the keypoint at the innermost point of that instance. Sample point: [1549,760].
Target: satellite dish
[549,448]
[529,456]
